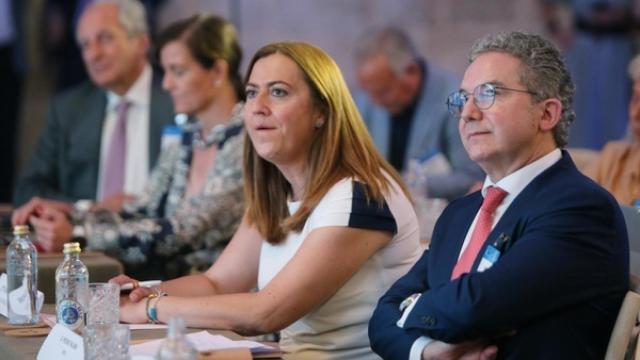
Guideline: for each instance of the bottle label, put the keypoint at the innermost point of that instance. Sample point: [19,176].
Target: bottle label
[70,314]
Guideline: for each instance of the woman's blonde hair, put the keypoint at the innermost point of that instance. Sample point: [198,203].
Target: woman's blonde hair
[341,148]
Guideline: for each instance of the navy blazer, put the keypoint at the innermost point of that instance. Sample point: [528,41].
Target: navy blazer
[432,130]
[558,284]
[66,160]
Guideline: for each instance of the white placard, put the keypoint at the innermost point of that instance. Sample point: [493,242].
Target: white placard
[62,343]
[3,298]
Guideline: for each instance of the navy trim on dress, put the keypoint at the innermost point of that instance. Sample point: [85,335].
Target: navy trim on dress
[370,214]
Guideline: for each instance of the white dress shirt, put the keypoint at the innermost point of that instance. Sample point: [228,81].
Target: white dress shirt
[137,157]
[513,184]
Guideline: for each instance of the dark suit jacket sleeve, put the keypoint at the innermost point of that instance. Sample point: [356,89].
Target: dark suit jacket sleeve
[387,339]
[41,174]
[568,252]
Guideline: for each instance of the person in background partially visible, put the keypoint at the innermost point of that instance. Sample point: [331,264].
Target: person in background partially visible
[60,20]
[403,105]
[328,226]
[194,200]
[102,137]
[597,38]
[617,167]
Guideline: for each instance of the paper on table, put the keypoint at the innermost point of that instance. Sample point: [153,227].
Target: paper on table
[203,341]
[147,326]
[24,305]
[259,349]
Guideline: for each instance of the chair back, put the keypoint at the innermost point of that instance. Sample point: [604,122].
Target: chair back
[632,219]
[625,328]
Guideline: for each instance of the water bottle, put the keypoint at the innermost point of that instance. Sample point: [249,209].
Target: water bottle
[22,278]
[176,346]
[72,289]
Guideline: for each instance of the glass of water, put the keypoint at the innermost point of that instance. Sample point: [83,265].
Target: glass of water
[104,304]
[106,342]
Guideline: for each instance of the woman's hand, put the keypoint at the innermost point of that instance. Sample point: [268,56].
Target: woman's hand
[132,309]
[138,293]
[133,312]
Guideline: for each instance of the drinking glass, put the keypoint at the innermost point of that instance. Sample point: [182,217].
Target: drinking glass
[106,342]
[104,304]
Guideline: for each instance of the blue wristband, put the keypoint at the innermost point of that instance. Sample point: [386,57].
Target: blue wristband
[152,312]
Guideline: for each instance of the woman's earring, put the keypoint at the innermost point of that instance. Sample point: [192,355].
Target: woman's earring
[217,83]
[319,124]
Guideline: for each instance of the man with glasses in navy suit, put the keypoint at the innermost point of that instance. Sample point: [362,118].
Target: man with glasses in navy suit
[533,266]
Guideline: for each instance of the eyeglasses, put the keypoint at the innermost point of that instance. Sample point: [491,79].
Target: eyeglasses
[484,95]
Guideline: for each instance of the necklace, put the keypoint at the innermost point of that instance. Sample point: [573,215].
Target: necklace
[215,136]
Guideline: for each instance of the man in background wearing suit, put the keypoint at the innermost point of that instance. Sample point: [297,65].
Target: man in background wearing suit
[533,266]
[405,112]
[114,120]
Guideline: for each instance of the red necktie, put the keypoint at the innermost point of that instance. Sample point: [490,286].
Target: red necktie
[116,155]
[494,197]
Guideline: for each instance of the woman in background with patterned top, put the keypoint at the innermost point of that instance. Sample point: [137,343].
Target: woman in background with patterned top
[193,201]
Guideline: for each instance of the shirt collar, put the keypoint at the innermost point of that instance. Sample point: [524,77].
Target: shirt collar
[515,182]
[138,93]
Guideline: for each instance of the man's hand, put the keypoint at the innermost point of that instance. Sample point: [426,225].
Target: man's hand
[35,206]
[470,350]
[52,229]
[114,202]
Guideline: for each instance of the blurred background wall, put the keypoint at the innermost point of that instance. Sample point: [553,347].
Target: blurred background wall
[442,29]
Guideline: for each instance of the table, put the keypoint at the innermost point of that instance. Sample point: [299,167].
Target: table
[101,268]
[21,348]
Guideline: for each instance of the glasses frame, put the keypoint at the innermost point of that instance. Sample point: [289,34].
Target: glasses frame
[456,110]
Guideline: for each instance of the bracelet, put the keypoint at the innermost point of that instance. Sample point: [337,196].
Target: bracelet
[152,312]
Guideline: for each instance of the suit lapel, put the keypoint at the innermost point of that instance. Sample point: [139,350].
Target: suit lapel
[89,127]
[506,230]
[456,230]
